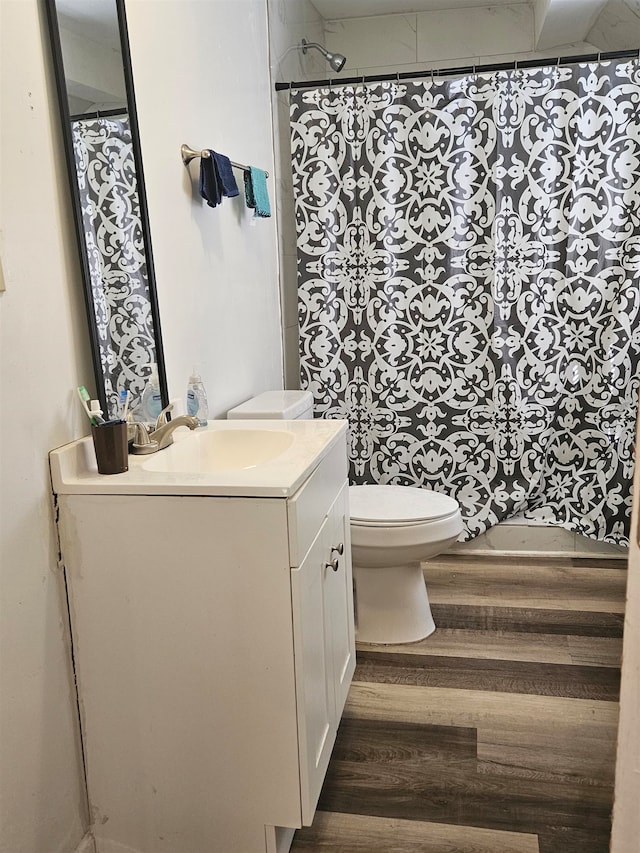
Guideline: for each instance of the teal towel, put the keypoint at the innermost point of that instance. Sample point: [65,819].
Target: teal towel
[255,191]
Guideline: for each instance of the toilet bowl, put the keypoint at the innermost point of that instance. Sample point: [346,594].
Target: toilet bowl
[393,529]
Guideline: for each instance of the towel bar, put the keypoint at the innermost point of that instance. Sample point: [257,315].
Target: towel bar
[189,154]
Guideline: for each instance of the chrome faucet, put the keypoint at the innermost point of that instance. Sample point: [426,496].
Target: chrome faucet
[161,436]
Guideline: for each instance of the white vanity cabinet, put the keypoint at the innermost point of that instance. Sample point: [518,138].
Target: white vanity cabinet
[322,599]
[214,647]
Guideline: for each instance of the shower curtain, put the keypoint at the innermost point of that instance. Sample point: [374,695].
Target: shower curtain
[469,273]
[105,169]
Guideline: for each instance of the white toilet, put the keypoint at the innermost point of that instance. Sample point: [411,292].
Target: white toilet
[393,529]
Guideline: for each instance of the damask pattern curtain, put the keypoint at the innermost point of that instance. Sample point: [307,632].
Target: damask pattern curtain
[469,274]
[105,169]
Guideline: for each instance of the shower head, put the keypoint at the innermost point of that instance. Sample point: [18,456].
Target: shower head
[335,60]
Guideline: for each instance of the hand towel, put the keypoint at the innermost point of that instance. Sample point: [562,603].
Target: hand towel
[209,186]
[255,191]
[216,178]
[226,178]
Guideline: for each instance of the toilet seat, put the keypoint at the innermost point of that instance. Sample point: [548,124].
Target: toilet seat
[398,506]
[392,525]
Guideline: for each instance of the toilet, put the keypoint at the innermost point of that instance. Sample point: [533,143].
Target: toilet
[393,530]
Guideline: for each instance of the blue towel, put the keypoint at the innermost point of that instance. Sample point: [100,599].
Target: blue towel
[225,175]
[216,179]
[255,191]
[208,185]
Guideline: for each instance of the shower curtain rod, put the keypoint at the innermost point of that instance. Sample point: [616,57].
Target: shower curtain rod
[462,70]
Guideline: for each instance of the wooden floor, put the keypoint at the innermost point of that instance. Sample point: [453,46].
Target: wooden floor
[497,733]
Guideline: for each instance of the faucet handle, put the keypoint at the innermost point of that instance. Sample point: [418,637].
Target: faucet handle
[162,417]
[142,442]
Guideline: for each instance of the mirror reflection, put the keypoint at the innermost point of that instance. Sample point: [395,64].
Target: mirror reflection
[105,172]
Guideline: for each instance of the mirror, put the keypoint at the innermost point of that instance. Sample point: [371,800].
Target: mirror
[92,66]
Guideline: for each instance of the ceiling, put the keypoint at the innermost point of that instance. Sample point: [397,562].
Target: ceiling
[335,9]
[604,24]
[93,19]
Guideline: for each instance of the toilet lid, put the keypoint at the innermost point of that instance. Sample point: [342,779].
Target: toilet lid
[398,505]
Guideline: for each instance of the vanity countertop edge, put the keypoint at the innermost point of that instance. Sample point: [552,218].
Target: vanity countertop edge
[74,470]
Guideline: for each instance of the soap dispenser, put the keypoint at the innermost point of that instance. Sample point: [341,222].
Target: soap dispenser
[197,399]
[151,403]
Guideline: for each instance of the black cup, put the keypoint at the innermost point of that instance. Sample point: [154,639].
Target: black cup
[111,446]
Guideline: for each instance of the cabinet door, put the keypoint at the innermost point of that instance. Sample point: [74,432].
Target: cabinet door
[339,600]
[324,643]
[315,696]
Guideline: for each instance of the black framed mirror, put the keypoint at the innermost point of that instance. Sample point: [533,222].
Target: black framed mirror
[94,81]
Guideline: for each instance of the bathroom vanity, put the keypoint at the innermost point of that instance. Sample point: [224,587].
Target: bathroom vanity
[213,635]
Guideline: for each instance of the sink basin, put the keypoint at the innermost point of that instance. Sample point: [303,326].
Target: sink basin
[224,450]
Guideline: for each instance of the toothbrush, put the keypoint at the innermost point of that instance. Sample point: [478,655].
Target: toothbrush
[96,411]
[85,399]
[124,402]
[95,417]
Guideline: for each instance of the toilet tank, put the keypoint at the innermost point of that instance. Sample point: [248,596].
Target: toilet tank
[275,405]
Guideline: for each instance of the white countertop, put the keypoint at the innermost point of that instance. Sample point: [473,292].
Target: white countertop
[74,469]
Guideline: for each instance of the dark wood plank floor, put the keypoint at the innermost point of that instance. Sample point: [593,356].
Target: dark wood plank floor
[496,734]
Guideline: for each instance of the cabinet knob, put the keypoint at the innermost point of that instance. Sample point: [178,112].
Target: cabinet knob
[334,564]
[339,548]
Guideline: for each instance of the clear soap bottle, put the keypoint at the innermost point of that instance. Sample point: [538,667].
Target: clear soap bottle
[151,403]
[197,399]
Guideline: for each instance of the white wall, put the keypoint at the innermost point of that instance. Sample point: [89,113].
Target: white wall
[217,274]
[626,816]
[289,22]
[216,268]
[43,355]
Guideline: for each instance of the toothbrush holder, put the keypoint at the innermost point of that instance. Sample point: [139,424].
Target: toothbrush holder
[111,446]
